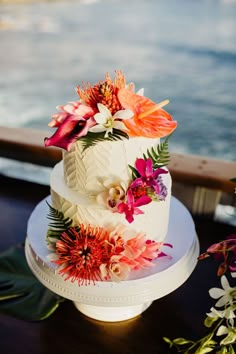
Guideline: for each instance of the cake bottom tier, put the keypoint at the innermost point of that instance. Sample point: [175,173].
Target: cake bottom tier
[107,300]
[81,209]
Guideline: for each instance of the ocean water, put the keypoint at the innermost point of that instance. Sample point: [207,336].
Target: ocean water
[177,49]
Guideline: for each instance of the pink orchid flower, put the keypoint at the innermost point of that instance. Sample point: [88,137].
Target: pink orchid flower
[72,122]
[224,252]
[131,207]
[148,176]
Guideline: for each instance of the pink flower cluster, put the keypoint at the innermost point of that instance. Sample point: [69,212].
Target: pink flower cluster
[145,188]
[88,253]
[106,105]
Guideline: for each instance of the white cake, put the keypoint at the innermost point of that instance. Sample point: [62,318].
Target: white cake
[110,194]
[77,180]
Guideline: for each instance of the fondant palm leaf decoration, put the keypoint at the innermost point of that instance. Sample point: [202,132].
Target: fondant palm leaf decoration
[92,139]
[58,223]
[160,157]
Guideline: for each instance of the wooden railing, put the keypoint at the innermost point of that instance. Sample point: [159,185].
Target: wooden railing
[199,182]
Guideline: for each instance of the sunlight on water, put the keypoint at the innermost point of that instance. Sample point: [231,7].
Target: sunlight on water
[181,50]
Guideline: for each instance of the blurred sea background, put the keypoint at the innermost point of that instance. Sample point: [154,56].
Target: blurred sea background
[182,50]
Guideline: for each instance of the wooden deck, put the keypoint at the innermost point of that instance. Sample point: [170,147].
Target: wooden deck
[201,183]
[179,314]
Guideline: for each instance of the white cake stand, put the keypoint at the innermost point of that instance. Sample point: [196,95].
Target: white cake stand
[110,301]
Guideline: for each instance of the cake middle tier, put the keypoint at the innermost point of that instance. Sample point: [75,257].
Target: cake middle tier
[84,209]
[86,170]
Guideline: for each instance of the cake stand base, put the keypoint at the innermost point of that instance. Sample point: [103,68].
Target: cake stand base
[111,314]
[110,301]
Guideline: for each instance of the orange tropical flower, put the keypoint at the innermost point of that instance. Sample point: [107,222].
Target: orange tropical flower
[104,92]
[149,119]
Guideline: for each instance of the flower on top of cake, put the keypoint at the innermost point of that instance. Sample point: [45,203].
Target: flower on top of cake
[109,110]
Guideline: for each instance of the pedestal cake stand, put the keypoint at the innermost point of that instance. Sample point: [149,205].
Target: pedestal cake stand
[111,301]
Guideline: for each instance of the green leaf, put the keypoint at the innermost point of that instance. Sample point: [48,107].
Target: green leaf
[135,173]
[182,341]
[21,294]
[58,223]
[209,321]
[160,157]
[231,350]
[168,341]
[91,139]
[233,180]
[222,350]
[204,350]
[230,338]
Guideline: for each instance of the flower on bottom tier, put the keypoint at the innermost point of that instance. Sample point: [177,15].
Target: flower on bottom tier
[88,254]
[130,253]
[80,253]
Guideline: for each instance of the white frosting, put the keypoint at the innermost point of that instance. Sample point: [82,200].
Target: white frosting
[84,170]
[83,209]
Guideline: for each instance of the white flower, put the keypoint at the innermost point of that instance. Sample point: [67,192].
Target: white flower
[106,121]
[227,295]
[227,313]
[131,86]
[216,313]
[230,333]
[115,270]
[114,192]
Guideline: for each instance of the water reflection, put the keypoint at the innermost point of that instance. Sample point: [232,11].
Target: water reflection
[181,50]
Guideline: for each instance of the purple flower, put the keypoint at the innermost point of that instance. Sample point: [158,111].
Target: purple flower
[162,189]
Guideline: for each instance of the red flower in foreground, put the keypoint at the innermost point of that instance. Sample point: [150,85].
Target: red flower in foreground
[225,252]
[88,254]
[80,253]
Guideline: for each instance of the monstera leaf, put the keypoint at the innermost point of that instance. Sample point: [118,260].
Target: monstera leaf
[21,294]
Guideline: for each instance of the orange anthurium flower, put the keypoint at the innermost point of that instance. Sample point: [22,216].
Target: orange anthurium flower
[149,119]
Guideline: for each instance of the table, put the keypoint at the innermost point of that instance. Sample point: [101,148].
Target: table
[67,331]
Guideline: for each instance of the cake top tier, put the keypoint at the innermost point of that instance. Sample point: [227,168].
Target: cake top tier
[109,110]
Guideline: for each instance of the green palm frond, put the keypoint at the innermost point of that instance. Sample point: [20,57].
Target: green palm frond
[134,173]
[91,139]
[160,156]
[58,223]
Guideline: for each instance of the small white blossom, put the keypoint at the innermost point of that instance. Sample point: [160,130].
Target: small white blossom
[228,313]
[229,332]
[227,295]
[106,122]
